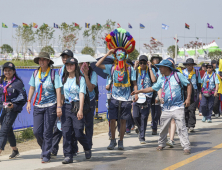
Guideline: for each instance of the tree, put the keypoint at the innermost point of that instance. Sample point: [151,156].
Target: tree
[5,48]
[171,50]
[215,55]
[69,36]
[44,35]
[154,45]
[48,49]
[134,55]
[88,50]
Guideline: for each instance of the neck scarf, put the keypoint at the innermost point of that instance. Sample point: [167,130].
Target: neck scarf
[142,76]
[8,84]
[208,79]
[40,85]
[181,71]
[189,76]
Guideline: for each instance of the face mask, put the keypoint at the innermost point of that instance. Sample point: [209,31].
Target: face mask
[120,55]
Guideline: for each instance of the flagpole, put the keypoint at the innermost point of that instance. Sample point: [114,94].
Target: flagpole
[184,35]
[206,35]
[139,39]
[12,38]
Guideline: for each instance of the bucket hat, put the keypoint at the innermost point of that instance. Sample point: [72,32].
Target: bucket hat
[189,61]
[156,56]
[181,65]
[166,63]
[43,55]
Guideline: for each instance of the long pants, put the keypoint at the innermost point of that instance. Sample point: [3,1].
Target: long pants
[216,108]
[70,122]
[6,131]
[44,121]
[140,116]
[89,119]
[207,105]
[57,135]
[190,116]
[130,122]
[165,120]
[155,112]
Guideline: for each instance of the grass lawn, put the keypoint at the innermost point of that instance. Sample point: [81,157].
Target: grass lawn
[20,62]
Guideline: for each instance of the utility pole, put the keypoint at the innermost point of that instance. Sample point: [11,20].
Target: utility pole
[175,49]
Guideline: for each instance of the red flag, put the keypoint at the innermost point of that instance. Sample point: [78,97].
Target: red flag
[76,25]
[175,39]
[118,26]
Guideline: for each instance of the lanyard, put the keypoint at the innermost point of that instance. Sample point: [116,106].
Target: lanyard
[69,87]
[208,81]
[142,79]
[166,79]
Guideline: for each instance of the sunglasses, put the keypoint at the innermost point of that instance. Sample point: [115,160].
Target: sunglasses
[143,62]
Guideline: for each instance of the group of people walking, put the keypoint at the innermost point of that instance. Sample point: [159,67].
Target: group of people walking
[67,97]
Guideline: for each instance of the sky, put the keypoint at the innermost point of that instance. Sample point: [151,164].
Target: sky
[150,13]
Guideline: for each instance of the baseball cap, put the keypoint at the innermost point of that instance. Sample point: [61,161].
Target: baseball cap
[143,57]
[9,65]
[72,61]
[67,52]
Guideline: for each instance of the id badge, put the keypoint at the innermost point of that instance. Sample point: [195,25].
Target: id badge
[163,94]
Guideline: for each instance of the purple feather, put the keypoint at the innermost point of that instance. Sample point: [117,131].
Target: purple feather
[112,34]
[129,37]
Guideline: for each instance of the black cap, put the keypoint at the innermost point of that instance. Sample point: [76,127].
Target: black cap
[143,57]
[208,64]
[204,65]
[213,62]
[72,61]
[67,52]
[9,65]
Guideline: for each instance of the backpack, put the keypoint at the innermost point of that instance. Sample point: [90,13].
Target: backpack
[96,89]
[52,74]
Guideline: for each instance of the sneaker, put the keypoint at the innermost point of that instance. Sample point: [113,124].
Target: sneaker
[154,132]
[15,153]
[170,143]
[159,148]
[173,142]
[137,130]
[88,154]
[45,160]
[186,152]
[142,142]
[120,145]
[127,131]
[216,115]
[204,119]
[209,121]
[67,160]
[191,129]
[112,144]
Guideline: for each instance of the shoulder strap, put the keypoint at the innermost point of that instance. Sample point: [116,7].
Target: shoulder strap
[177,78]
[197,73]
[136,73]
[35,73]
[60,70]
[129,69]
[112,71]
[52,76]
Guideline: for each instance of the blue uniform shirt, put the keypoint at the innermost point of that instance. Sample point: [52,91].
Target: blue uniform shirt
[48,89]
[193,78]
[212,81]
[120,93]
[72,90]
[146,82]
[177,97]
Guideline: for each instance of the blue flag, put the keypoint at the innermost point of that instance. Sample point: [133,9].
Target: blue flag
[165,27]
[56,25]
[142,26]
[130,26]
[87,25]
[14,25]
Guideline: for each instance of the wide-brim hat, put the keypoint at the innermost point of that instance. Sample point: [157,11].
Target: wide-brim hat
[189,61]
[43,55]
[181,65]
[166,63]
[156,56]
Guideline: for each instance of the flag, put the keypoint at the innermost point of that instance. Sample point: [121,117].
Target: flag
[98,25]
[25,25]
[165,27]
[46,25]
[154,39]
[56,25]
[209,26]
[4,25]
[177,39]
[35,25]
[187,26]
[87,25]
[118,26]
[142,26]
[14,25]
[76,25]
[130,26]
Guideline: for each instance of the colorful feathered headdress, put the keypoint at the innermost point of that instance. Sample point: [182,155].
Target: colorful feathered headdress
[120,39]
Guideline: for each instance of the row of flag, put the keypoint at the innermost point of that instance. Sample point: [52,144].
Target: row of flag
[87,25]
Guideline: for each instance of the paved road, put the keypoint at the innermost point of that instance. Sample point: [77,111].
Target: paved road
[205,143]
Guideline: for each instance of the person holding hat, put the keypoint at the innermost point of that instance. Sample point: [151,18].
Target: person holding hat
[57,134]
[13,98]
[91,79]
[172,84]
[210,84]
[156,59]
[146,76]
[74,88]
[47,103]
[193,76]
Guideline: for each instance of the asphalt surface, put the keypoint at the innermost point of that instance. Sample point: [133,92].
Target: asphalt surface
[135,155]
